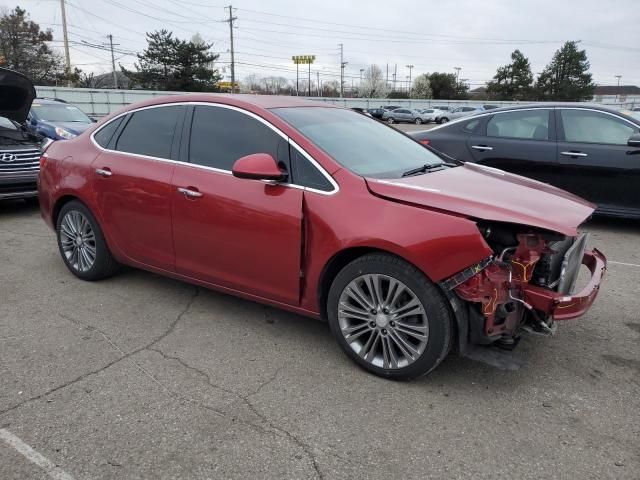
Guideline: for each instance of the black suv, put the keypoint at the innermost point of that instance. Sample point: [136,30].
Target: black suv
[19,149]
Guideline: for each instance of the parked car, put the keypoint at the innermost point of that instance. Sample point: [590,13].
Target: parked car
[456,113]
[636,109]
[362,111]
[404,115]
[56,119]
[490,107]
[588,150]
[390,107]
[20,150]
[429,114]
[376,112]
[274,199]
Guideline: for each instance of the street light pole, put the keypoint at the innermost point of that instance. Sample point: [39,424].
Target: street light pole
[457,69]
[618,89]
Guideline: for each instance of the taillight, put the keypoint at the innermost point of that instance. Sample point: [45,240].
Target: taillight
[425,142]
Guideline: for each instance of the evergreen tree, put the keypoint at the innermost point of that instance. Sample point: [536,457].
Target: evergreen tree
[513,81]
[567,77]
[169,63]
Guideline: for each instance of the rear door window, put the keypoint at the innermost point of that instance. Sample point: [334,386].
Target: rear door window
[150,132]
[105,134]
[524,124]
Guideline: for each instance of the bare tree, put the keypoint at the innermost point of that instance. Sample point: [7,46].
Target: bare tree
[373,84]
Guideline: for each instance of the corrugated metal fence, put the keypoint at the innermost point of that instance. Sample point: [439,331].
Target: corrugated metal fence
[101,102]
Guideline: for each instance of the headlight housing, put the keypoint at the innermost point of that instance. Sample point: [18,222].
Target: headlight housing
[66,134]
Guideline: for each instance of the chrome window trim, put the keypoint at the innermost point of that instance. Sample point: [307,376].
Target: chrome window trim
[301,150]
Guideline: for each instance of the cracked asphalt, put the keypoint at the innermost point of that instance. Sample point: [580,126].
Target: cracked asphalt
[141,376]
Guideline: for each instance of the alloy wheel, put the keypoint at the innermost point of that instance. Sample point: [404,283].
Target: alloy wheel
[383,321]
[78,241]
[390,120]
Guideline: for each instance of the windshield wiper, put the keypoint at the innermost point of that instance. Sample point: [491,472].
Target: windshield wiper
[424,169]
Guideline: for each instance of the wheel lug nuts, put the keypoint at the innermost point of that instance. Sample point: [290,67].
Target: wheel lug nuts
[385,311]
[372,324]
[384,331]
[393,324]
[373,311]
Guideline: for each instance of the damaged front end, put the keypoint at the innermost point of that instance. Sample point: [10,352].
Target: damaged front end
[526,285]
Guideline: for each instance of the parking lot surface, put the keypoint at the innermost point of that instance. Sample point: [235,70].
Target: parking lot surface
[141,376]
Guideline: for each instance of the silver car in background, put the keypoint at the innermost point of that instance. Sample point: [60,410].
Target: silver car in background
[458,112]
[405,115]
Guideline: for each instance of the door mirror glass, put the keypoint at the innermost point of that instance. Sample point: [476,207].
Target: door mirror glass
[258,166]
[634,141]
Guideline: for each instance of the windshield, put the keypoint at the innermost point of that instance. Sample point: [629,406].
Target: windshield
[360,144]
[60,113]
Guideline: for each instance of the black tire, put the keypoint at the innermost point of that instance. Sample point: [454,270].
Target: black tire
[104,264]
[433,301]
[418,121]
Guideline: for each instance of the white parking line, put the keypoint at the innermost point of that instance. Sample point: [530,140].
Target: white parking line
[30,454]
[623,263]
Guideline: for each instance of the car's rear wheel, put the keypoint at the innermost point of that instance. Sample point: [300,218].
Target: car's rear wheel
[444,120]
[389,317]
[418,121]
[391,120]
[81,243]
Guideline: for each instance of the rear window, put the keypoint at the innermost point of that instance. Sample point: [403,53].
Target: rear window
[105,134]
[150,132]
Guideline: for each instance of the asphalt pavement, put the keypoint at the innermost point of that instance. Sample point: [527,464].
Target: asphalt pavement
[140,376]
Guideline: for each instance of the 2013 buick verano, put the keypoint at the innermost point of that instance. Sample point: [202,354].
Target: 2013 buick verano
[324,212]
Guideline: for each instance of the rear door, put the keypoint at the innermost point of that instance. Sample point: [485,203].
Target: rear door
[519,141]
[596,162]
[241,234]
[132,183]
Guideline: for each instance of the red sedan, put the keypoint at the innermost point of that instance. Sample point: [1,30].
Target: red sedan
[327,213]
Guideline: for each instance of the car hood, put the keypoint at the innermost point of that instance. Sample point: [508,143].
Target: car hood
[16,94]
[489,194]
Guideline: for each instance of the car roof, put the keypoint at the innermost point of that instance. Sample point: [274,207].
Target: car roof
[592,106]
[238,100]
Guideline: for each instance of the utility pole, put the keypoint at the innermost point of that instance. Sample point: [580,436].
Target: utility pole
[309,78]
[113,63]
[395,76]
[457,69]
[342,65]
[361,71]
[318,81]
[233,62]
[618,89]
[66,44]
[410,67]
[386,78]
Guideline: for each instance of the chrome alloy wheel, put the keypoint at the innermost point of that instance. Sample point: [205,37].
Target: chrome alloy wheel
[78,241]
[383,321]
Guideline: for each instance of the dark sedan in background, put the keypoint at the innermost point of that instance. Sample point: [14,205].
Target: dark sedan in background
[588,150]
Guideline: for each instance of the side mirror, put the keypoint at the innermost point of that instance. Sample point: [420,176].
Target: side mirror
[258,166]
[634,141]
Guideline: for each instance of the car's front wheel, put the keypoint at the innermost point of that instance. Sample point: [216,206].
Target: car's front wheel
[443,120]
[418,121]
[389,317]
[81,243]
[391,120]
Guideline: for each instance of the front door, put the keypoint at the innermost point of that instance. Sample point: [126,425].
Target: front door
[132,184]
[237,233]
[597,164]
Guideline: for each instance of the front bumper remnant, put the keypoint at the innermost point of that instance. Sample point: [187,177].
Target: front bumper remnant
[565,307]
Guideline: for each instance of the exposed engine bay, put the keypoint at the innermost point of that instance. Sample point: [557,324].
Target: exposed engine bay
[505,292]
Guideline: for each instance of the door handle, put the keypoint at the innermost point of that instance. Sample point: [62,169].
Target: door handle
[482,148]
[189,193]
[104,172]
[574,154]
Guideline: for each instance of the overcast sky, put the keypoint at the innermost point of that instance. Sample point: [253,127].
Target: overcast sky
[475,35]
